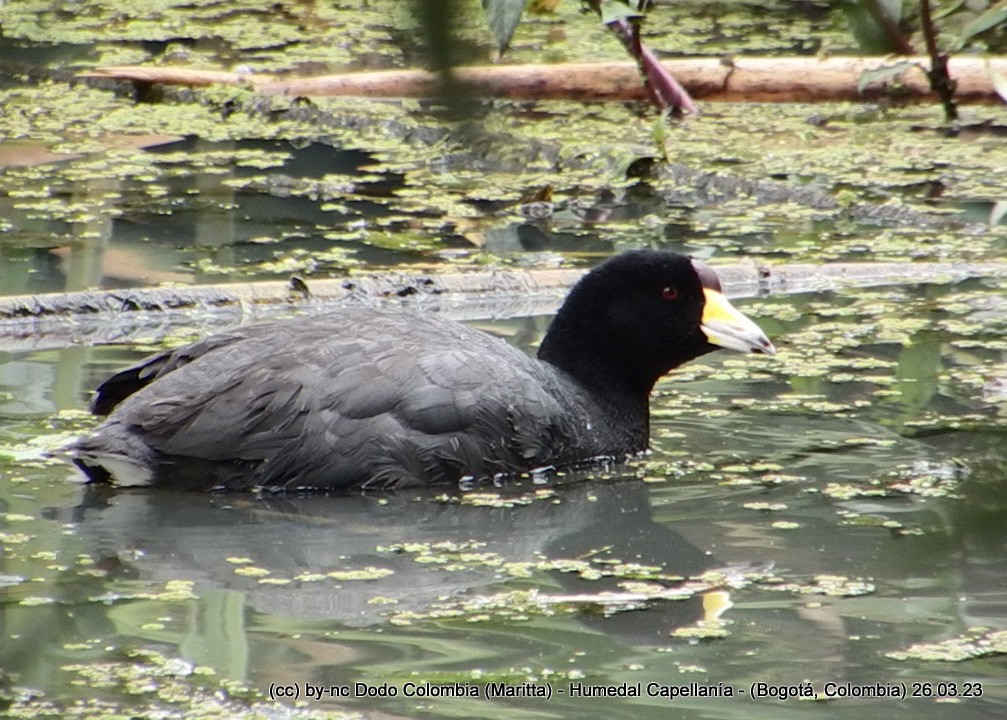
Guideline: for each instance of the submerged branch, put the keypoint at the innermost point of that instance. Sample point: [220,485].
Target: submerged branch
[744,79]
[32,322]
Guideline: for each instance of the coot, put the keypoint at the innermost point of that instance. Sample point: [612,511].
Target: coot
[387,399]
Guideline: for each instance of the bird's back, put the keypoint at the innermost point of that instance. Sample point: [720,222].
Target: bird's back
[358,398]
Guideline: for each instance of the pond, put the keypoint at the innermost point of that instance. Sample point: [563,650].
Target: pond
[825,521]
[831,515]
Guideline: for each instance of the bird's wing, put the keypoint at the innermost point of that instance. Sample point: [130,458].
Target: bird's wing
[120,386]
[343,411]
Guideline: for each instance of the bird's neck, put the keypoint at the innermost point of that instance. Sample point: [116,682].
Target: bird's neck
[615,378]
[619,410]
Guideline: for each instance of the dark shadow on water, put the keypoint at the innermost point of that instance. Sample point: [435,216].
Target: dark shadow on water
[145,541]
[197,537]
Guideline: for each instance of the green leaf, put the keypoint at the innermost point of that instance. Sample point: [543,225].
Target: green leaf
[885,73]
[613,11]
[503,17]
[993,17]
[871,33]
[891,8]
[948,10]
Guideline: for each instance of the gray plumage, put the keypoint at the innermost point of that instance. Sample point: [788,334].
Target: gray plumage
[314,403]
[387,399]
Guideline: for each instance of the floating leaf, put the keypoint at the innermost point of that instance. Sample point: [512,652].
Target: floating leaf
[503,17]
[974,643]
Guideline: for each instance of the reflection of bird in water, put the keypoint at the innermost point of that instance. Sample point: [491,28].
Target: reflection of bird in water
[158,537]
[377,399]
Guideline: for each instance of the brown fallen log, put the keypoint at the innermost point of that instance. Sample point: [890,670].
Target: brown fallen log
[745,79]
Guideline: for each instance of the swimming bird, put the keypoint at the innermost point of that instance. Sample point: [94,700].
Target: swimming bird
[367,398]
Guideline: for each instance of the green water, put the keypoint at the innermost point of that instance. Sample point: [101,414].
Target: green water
[828,520]
[789,527]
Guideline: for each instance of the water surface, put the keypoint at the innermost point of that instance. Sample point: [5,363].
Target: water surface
[793,524]
[833,514]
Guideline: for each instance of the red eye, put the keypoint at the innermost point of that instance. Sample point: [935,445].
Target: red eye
[670,293]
